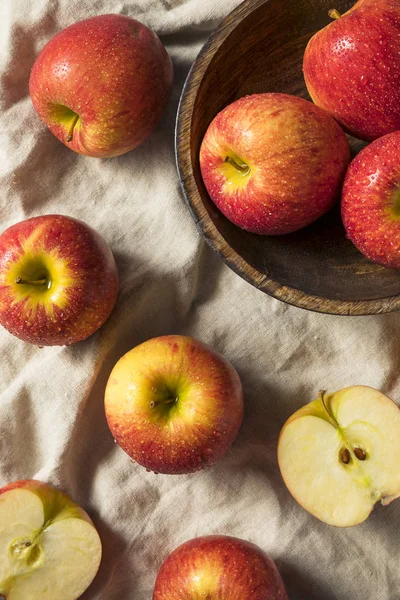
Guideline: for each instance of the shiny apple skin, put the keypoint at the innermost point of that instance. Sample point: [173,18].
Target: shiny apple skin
[189,434]
[84,275]
[352,68]
[298,156]
[219,568]
[112,71]
[371,201]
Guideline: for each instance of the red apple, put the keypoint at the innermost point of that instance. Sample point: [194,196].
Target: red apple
[102,84]
[174,404]
[273,163]
[371,201]
[352,68]
[49,547]
[219,568]
[58,280]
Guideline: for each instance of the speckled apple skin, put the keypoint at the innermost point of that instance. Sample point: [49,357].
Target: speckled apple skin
[352,68]
[298,157]
[370,213]
[199,429]
[73,310]
[111,70]
[219,568]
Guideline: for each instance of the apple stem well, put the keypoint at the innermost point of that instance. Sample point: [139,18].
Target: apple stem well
[334,14]
[243,168]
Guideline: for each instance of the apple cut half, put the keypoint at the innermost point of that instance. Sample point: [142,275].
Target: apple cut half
[49,547]
[340,454]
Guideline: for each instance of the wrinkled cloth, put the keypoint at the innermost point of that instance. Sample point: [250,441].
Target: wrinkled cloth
[52,425]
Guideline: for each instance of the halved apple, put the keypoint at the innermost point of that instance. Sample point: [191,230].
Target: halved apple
[49,548]
[340,454]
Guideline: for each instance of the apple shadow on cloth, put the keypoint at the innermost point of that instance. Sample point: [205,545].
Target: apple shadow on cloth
[15,80]
[122,568]
[37,178]
[20,434]
[298,587]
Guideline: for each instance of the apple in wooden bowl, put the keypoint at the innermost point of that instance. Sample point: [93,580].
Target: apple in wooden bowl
[259,49]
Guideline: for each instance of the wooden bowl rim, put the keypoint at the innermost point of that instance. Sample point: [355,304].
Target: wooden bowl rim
[194,201]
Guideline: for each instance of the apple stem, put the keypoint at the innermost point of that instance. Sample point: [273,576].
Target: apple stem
[155,403]
[243,168]
[334,14]
[70,133]
[34,282]
[330,416]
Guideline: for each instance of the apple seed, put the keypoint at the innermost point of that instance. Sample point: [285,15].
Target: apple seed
[360,453]
[345,456]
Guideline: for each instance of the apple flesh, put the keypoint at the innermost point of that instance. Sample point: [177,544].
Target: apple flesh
[102,84]
[371,201]
[58,280]
[273,163]
[339,454]
[219,567]
[174,405]
[352,68]
[49,547]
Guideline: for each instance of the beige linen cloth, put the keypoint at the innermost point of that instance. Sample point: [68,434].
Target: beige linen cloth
[52,424]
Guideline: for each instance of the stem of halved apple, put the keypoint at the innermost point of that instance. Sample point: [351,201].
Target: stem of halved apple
[243,168]
[334,14]
[331,418]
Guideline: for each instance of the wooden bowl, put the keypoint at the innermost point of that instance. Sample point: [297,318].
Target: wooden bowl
[259,47]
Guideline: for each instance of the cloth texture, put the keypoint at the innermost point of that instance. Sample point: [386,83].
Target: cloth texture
[52,424]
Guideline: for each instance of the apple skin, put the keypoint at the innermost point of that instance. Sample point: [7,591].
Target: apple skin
[78,266]
[114,73]
[297,157]
[198,406]
[216,568]
[352,69]
[371,201]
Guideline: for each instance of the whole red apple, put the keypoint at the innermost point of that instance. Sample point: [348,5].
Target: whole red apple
[219,568]
[58,280]
[371,201]
[273,163]
[101,85]
[352,68]
[174,404]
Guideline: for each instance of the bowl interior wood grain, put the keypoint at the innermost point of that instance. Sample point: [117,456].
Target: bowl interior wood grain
[259,48]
